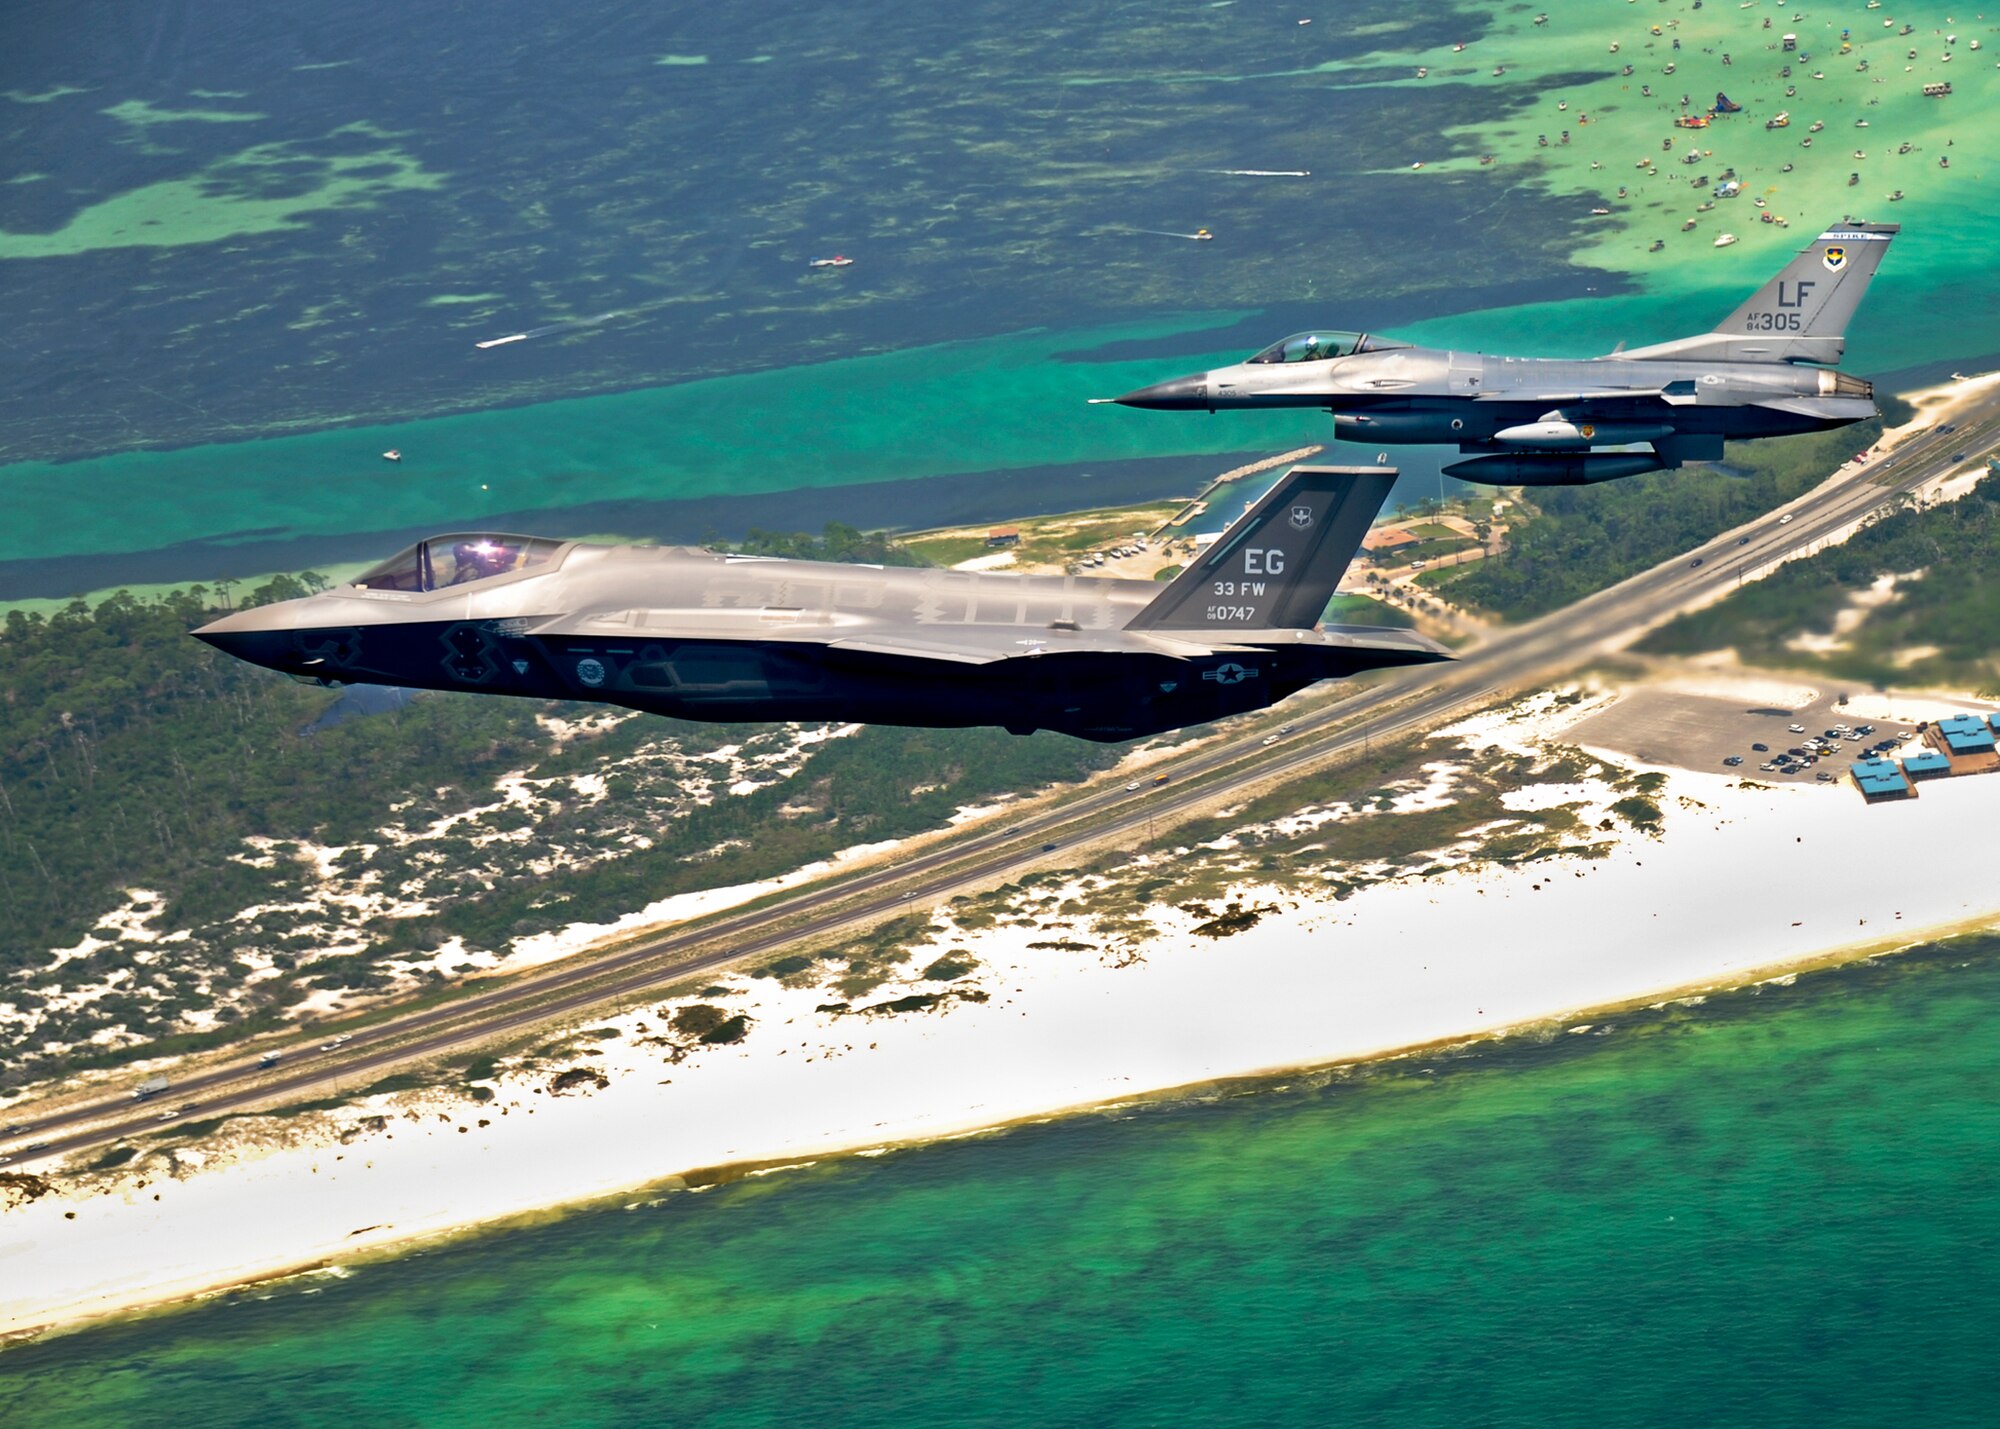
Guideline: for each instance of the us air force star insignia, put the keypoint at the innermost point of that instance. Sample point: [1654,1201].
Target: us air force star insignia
[1835,259]
[1302,517]
[1230,673]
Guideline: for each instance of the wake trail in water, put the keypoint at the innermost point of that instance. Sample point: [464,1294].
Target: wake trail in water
[565,325]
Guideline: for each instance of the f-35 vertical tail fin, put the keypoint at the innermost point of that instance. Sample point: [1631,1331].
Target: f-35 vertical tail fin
[1802,314]
[1276,567]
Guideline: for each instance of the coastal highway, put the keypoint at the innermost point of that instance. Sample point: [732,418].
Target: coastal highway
[1216,772]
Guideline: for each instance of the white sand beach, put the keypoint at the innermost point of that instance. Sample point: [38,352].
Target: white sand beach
[1742,883]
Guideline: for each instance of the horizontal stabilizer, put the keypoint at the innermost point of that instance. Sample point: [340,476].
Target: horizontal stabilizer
[1827,409]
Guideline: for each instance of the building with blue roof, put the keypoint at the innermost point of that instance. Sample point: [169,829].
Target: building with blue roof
[1881,779]
[1965,734]
[1929,764]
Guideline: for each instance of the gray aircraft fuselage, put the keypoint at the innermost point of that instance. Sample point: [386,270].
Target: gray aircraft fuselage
[708,636]
[1536,421]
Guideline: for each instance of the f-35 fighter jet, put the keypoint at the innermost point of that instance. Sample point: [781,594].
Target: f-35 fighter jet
[1536,421]
[706,636]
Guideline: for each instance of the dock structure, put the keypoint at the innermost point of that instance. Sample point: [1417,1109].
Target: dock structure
[1199,505]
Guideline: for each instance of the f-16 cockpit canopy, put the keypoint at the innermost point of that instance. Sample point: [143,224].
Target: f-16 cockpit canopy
[1319,346]
[459,559]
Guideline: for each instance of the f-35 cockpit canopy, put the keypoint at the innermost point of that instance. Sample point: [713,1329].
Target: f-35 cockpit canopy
[1319,346]
[458,559]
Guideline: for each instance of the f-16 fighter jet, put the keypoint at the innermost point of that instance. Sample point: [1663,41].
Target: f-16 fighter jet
[707,636]
[1536,421]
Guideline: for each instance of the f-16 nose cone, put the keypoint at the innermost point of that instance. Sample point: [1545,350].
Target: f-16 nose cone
[1182,394]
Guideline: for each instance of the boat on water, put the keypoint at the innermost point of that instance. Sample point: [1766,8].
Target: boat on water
[1815,126]
[1658,244]
[1723,240]
[838,260]
[392,455]
[1896,197]
[1779,120]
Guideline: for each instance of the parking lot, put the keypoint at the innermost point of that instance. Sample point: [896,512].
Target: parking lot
[1695,731]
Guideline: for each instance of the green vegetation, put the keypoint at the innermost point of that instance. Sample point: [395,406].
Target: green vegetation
[1366,610]
[699,1019]
[837,542]
[1940,626]
[730,1029]
[1640,812]
[1046,540]
[1577,540]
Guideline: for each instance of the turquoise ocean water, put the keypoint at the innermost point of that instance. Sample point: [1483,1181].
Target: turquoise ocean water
[1774,1208]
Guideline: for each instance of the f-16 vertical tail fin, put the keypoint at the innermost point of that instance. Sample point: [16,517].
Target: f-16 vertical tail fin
[1802,314]
[1276,567]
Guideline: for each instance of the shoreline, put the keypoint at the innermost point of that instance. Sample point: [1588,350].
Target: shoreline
[1044,1025]
[698,1179]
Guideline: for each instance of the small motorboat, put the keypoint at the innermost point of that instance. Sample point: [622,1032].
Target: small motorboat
[1723,240]
[838,260]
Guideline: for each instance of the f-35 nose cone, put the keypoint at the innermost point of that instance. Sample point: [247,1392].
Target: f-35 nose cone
[1182,394]
[253,635]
